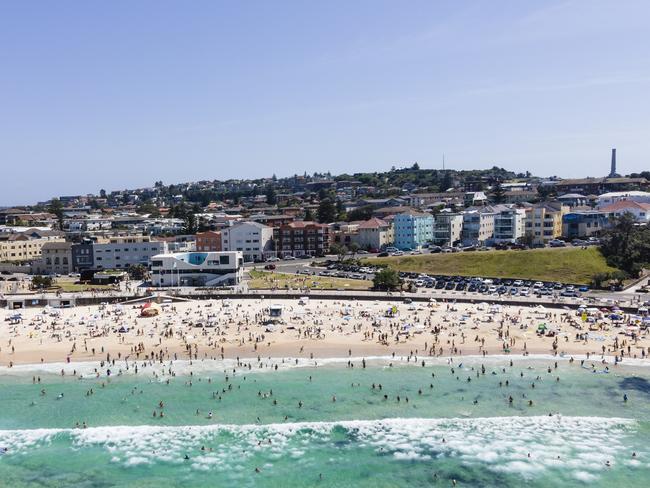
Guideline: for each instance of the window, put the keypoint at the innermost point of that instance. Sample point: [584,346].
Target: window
[224,260]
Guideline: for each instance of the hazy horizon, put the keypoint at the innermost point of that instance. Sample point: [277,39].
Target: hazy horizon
[121,94]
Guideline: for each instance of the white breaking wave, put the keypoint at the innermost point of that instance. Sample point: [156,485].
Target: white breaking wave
[89,369]
[527,446]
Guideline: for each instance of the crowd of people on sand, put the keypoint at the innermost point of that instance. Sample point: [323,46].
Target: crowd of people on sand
[218,329]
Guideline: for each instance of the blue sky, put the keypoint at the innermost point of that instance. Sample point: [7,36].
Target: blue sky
[120,94]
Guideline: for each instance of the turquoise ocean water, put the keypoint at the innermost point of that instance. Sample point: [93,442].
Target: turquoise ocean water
[327,425]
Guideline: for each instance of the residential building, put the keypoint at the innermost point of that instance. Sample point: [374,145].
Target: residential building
[197,269]
[544,221]
[82,255]
[573,199]
[640,211]
[474,198]
[412,229]
[597,186]
[509,223]
[447,229]
[253,239]
[343,233]
[56,258]
[613,197]
[478,226]
[584,223]
[124,251]
[519,196]
[301,238]
[17,247]
[373,234]
[209,241]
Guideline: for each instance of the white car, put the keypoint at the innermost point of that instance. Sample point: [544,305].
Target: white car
[524,292]
[289,258]
[518,283]
[397,253]
[538,284]
[272,260]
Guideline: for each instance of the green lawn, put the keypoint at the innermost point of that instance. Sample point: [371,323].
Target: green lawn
[569,265]
[72,286]
[264,280]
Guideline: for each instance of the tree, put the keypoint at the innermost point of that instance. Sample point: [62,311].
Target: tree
[138,272]
[386,279]
[326,211]
[415,167]
[271,196]
[361,213]
[190,225]
[626,245]
[102,193]
[42,282]
[309,215]
[447,181]
[56,208]
[498,193]
[339,250]
[353,247]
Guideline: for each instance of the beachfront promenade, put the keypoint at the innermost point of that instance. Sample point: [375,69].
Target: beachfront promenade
[627,302]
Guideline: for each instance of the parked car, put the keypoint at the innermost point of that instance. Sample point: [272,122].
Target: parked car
[269,266]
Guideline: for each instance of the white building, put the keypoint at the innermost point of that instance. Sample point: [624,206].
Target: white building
[640,211]
[617,196]
[122,252]
[509,223]
[447,228]
[253,239]
[197,269]
[478,226]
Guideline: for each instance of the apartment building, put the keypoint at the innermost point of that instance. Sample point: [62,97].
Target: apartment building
[209,241]
[82,255]
[253,239]
[509,223]
[197,269]
[447,228]
[301,238]
[640,211]
[583,223]
[124,251]
[373,234]
[24,246]
[478,226]
[612,197]
[56,258]
[412,229]
[544,221]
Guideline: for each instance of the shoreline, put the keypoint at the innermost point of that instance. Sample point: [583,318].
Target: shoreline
[182,367]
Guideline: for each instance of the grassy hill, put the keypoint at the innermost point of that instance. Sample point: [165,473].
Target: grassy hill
[569,265]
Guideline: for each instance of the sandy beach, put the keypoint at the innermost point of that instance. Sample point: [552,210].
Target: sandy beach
[216,329]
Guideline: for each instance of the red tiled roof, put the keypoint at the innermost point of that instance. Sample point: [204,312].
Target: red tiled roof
[373,223]
[625,204]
